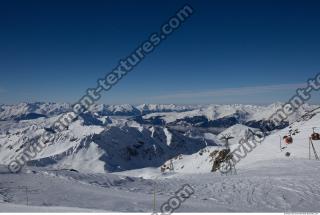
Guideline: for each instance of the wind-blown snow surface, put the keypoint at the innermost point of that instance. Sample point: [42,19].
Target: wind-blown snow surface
[14,208]
[266,180]
[272,186]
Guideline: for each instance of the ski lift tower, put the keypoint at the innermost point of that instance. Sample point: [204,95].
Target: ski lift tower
[314,136]
[226,138]
[229,168]
[171,165]
[154,212]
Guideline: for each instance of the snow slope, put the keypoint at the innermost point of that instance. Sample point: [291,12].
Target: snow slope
[266,179]
[269,186]
[299,149]
[91,146]
[268,150]
[237,131]
[16,208]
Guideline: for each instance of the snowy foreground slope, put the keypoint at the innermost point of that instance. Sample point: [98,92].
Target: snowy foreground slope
[14,208]
[274,186]
[266,179]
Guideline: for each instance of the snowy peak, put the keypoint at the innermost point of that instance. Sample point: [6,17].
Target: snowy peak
[153,108]
[223,116]
[24,110]
[121,110]
[169,112]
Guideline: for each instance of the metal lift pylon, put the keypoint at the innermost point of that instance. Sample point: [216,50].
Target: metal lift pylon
[232,169]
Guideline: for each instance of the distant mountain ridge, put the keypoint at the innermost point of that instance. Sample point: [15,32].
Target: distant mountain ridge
[211,112]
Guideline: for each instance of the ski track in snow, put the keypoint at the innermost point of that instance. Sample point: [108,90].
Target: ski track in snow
[268,189]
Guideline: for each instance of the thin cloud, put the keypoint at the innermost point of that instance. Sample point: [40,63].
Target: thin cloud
[239,91]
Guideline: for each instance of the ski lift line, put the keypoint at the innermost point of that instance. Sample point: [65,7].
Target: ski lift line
[304,115]
[300,130]
[311,111]
[304,122]
[305,129]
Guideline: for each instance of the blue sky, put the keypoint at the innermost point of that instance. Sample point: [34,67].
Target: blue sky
[229,51]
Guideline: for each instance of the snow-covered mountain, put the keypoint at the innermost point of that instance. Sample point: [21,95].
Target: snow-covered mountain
[119,110]
[268,151]
[154,108]
[111,143]
[91,145]
[114,162]
[223,116]
[168,113]
[24,110]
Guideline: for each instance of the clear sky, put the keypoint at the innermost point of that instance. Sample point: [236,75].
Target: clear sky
[235,51]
